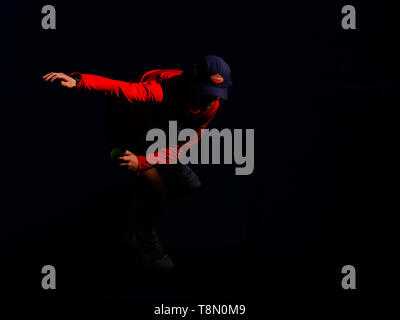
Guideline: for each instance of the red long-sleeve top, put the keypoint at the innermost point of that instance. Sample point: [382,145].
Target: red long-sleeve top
[156,87]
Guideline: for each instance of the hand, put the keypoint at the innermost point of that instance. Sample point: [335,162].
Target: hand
[66,81]
[129,160]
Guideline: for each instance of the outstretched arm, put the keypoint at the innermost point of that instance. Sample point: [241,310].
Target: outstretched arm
[149,91]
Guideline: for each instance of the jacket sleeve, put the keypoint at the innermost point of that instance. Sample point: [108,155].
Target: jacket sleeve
[149,91]
[168,155]
[171,154]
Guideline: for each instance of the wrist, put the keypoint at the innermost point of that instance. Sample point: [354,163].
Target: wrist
[77,79]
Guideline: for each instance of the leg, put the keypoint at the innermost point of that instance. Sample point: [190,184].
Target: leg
[151,204]
[151,200]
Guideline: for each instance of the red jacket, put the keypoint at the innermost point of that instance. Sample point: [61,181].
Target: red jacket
[153,88]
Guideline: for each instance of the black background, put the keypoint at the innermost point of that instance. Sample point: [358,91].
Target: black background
[320,98]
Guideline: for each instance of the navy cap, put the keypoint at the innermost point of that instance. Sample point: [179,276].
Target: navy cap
[213,76]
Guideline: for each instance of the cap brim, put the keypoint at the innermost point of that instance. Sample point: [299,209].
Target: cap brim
[213,91]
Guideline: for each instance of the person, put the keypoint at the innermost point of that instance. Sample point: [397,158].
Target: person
[191,97]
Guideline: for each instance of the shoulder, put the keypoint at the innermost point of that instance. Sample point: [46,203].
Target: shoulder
[160,74]
[201,119]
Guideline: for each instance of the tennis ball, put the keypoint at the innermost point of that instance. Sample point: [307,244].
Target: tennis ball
[116,153]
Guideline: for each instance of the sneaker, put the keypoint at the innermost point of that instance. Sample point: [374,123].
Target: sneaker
[151,253]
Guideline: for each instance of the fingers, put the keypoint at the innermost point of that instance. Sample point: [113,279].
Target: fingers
[124,158]
[128,153]
[123,164]
[127,161]
[60,76]
[51,76]
[46,75]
